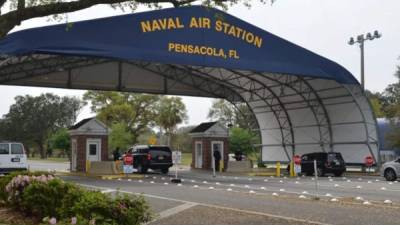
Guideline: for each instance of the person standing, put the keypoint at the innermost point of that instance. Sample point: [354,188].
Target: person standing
[116,154]
[217,158]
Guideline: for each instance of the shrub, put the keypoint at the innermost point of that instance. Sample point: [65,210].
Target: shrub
[131,210]
[6,179]
[16,187]
[53,198]
[46,196]
[94,204]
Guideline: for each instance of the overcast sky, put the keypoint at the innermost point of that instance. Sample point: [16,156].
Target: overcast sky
[322,26]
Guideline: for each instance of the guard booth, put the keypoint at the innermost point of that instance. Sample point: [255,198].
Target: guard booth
[207,138]
[89,143]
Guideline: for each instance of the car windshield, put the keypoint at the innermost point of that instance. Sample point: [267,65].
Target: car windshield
[160,148]
[334,157]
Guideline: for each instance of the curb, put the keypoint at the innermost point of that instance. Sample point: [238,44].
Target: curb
[103,177]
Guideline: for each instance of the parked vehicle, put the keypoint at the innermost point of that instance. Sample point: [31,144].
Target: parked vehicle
[331,162]
[391,170]
[151,157]
[12,157]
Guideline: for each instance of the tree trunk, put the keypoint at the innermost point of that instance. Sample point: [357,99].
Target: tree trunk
[27,150]
[69,153]
[42,151]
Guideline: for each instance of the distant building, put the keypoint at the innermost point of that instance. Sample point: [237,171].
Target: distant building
[387,151]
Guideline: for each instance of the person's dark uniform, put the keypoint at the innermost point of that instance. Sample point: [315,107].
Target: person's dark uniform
[217,158]
[116,154]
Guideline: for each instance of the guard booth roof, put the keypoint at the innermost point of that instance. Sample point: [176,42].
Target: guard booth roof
[302,102]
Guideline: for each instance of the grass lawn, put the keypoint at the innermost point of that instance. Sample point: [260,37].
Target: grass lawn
[186,159]
[50,159]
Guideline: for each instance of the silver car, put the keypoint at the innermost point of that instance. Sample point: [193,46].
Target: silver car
[391,170]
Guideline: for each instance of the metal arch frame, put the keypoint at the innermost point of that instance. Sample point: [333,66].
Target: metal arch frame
[368,137]
[23,67]
[297,84]
[283,107]
[28,65]
[325,111]
[238,76]
[181,76]
[260,99]
[55,64]
[185,73]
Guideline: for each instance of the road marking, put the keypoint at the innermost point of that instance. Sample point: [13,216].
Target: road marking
[108,191]
[190,204]
[176,210]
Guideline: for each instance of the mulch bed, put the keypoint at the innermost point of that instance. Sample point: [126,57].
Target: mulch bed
[11,217]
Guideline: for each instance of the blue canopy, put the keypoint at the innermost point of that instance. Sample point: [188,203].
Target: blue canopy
[187,36]
[301,102]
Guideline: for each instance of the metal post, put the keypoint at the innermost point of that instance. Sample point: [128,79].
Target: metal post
[176,160]
[316,180]
[278,169]
[362,65]
[213,165]
[176,170]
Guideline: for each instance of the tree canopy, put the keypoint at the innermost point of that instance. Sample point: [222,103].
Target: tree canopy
[226,113]
[17,11]
[61,140]
[120,136]
[133,114]
[171,111]
[135,111]
[387,104]
[32,120]
[241,140]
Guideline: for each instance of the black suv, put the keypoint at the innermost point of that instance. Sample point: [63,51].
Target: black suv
[331,162]
[151,157]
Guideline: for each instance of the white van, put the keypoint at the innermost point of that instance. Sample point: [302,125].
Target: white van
[12,157]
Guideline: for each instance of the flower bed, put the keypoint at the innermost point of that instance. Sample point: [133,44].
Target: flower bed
[58,202]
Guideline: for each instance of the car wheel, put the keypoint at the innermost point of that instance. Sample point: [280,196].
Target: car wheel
[164,170]
[390,175]
[338,174]
[141,169]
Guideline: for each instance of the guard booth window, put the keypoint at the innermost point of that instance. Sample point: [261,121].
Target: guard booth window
[92,149]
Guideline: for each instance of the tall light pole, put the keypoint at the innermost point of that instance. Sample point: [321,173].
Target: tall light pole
[360,39]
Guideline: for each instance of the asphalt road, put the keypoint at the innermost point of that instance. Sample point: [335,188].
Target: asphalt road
[41,165]
[369,188]
[202,199]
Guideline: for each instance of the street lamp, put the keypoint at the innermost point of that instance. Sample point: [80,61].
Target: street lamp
[360,39]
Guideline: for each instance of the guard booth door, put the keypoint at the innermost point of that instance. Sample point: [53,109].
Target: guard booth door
[93,150]
[199,155]
[218,146]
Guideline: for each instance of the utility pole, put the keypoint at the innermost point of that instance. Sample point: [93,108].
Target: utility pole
[361,39]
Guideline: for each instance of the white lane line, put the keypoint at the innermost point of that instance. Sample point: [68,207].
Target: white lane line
[176,210]
[187,203]
[108,191]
